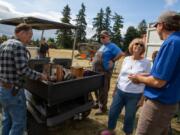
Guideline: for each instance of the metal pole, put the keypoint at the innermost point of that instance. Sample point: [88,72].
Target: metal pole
[74,44]
[42,34]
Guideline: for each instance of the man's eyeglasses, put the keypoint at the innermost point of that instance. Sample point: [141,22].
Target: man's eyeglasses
[141,45]
[157,23]
[103,37]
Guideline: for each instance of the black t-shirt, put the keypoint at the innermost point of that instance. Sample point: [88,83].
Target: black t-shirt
[44,48]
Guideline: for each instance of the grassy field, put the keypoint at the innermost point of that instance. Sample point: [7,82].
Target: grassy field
[92,124]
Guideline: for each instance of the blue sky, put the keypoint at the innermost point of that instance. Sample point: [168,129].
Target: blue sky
[133,11]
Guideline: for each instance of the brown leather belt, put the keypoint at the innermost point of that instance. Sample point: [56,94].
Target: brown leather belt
[10,86]
[6,85]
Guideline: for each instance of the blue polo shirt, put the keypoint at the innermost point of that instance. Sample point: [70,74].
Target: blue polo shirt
[167,67]
[110,51]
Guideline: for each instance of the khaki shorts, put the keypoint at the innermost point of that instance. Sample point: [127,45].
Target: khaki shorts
[155,118]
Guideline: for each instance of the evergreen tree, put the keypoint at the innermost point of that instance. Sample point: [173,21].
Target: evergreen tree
[3,38]
[36,42]
[142,27]
[64,36]
[118,25]
[81,23]
[98,24]
[51,43]
[107,20]
[129,36]
[66,14]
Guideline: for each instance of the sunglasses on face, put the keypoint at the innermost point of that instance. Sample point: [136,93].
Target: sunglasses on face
[103,37]
[141,45]
[155,25]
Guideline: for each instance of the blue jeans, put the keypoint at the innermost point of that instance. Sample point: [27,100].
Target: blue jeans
[14,112]
[129,101]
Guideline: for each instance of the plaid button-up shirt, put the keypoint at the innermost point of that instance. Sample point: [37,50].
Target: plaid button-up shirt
[14,62]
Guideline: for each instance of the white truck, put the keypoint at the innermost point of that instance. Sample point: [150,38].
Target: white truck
[153,42]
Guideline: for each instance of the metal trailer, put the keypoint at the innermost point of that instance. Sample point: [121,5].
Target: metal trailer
[52,103]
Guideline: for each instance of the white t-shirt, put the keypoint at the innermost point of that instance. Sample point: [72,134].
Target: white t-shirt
[130,66]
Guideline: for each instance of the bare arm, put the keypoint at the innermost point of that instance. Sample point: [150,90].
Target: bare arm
[112,61]
[118,56]
[147,80]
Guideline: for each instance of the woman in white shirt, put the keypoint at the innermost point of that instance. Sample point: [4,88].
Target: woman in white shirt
[128,94]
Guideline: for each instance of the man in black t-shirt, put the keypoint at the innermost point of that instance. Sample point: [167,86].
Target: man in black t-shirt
[44,49]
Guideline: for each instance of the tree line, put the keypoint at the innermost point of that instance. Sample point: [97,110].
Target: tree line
[104,20]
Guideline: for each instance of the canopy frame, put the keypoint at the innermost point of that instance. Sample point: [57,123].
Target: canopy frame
[42,24]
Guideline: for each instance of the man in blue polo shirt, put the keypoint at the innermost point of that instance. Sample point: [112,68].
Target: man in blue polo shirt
[162,90]
[104,62]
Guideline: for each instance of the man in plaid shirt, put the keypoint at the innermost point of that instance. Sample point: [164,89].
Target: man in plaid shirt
[13,67]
